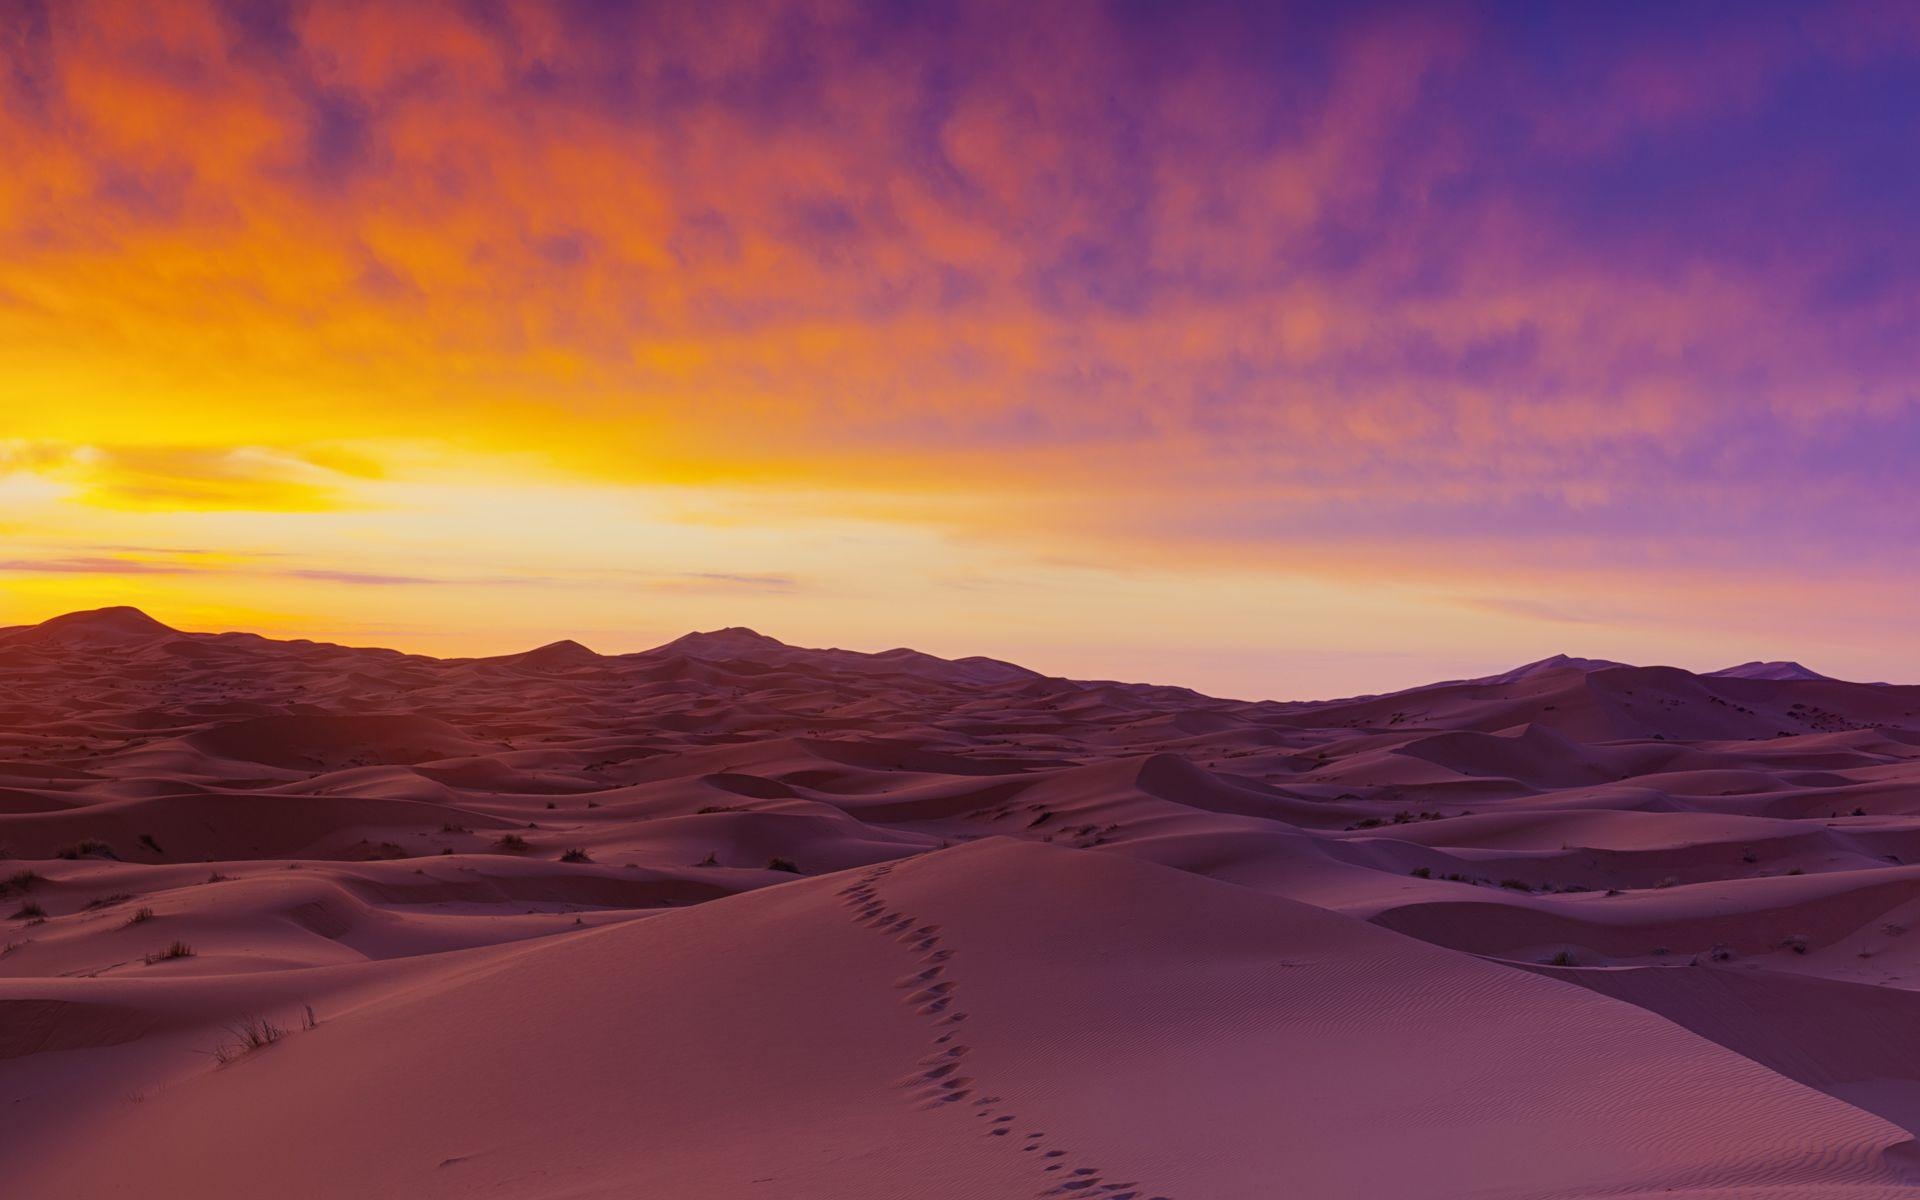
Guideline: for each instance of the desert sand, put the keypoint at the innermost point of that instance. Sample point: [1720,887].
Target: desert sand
[731,919]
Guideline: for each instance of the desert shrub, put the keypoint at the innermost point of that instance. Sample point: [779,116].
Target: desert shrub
[140,916]
[720,808]
[513,843]
[1562,958]
[450,827]
[175,950]
[87,848]
[1516,885]
[22,881]
[217,877]
[1421,872]
[777,863]
[109,901]
[575,856]
[29,911]
[248,1034]
[146,839]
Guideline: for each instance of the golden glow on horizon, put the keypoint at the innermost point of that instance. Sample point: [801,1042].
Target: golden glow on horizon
[451,566]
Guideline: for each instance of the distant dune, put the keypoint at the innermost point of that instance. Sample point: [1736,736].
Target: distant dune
[1768,670]
[731,918]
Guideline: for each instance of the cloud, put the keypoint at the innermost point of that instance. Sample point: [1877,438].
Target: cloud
[209,478]
[363,578]
[150,561]
[845,242]
[136,561]
[1532,610]
[720,581]
[94,565]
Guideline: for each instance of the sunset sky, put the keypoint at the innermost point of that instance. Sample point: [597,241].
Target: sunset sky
[1276,350]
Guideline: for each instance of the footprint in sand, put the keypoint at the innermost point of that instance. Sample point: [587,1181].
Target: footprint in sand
[938,1082]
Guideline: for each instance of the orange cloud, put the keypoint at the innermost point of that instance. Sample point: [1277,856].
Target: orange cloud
[176,478]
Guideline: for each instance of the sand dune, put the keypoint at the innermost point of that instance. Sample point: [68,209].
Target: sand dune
[732,918]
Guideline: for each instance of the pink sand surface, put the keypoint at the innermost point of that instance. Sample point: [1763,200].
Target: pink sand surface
[887,925]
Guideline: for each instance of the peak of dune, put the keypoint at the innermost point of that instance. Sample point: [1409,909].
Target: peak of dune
[117,617]
[117,624]
[1556,662]
[975,668]
[1559,662]
[734,639]
[1782,670]
[563,653]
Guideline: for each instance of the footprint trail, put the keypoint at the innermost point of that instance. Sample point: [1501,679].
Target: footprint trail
[939,1080]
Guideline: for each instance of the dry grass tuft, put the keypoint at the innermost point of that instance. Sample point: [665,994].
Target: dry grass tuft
[247,1035]
[177,950]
